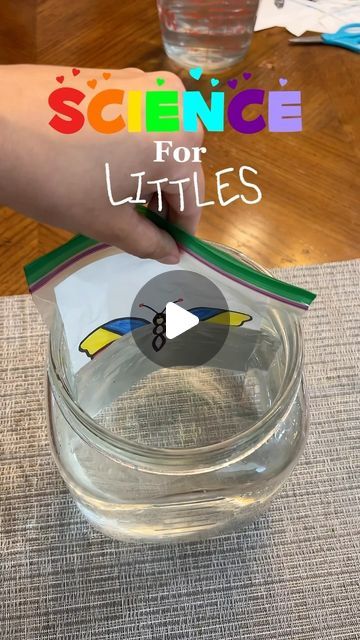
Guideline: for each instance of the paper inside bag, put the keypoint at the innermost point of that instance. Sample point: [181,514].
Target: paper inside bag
[105,290]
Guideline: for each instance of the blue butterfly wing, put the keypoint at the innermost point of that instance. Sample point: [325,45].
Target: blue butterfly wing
[204,313]
[125,325]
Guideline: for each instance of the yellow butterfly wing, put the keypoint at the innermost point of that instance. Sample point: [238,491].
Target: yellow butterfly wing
[232,318]
[98,340]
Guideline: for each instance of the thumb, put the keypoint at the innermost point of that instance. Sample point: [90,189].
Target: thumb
[130,231]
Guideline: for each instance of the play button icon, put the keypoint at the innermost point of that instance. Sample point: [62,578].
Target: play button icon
[178,320]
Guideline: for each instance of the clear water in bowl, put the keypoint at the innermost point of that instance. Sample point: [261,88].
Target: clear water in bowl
[183,407]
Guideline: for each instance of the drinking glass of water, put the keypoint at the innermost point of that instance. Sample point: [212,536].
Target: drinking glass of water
[212,34]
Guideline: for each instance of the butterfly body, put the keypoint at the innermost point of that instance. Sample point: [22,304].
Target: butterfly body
[159,322]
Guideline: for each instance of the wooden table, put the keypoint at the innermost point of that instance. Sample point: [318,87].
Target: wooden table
[310,181]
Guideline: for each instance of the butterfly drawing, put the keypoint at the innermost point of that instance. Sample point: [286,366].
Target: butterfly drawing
[111,331]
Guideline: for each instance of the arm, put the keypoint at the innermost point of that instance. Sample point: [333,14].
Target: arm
[60,179]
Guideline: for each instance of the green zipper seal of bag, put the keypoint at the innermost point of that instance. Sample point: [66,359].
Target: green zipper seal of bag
[232,267]
[43,269]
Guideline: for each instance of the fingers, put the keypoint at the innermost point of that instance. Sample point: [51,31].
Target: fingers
[135,234]
[154,206]
[186,214]
[182,199]
[129,72]
[171,80]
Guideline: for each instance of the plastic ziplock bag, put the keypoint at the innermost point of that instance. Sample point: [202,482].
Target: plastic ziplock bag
[92,287]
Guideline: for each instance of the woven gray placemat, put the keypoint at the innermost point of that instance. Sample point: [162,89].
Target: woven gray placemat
[293,574]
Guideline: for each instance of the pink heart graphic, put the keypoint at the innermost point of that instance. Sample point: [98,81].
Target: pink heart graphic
[75,72]
[283,82]
[232,83]
[60,79]
[246,75]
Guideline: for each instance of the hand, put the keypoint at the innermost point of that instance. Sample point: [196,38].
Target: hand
[60,179]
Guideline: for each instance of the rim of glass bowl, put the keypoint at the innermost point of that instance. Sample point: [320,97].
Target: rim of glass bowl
[171,461]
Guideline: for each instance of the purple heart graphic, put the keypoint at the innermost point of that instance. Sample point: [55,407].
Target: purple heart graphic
[283,82]
[232,83]
[196,73]
[247,75]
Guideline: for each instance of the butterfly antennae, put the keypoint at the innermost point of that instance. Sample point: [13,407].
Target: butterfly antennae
[147,307]
[174,302]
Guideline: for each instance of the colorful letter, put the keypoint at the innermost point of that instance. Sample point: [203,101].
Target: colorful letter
[95,109]
[285,111]
[196,107]
[57,102]
[237,106]
[134,111]
[162,111]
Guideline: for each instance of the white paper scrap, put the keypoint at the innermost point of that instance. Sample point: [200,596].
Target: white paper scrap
[299,16]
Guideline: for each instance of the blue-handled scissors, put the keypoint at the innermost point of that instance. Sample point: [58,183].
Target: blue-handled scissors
[347,37]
